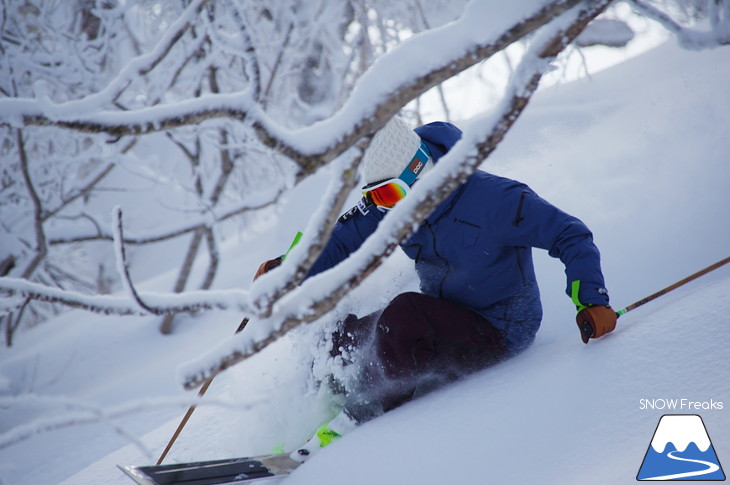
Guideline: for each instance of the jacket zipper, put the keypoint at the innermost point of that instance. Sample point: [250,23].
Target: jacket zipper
[518,216]
[519,263]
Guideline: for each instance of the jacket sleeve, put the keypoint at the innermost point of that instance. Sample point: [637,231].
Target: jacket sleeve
[537,223]
[351,230]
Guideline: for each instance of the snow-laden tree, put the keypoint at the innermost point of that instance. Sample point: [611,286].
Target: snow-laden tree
[697,24]
[297,60]
[207,113]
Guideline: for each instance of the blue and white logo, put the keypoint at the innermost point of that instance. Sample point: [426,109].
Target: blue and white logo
[680,450]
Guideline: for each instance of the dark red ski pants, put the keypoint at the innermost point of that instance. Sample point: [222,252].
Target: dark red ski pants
[412,346]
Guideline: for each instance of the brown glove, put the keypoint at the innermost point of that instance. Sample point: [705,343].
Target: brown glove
[595,321]
[267,266]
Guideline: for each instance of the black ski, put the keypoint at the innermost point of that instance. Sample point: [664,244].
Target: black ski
[214,472]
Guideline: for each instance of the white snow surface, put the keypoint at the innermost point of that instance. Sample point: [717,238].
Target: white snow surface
[639,152]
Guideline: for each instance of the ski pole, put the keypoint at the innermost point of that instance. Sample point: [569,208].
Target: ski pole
[209,381]
[191,409]
[676,285]
[587,330]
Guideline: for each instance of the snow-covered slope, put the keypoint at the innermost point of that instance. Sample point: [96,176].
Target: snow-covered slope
[560,413]
[638,152]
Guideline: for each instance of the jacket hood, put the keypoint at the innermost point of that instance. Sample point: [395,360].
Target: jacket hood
[439,136]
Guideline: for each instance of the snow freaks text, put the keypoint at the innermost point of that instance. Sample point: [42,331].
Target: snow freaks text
[679,404]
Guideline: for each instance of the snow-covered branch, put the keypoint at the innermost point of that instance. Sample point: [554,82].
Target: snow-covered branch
[265,294]
[188,302]
[691,38]
[320,294]
[142,121]
[388,86]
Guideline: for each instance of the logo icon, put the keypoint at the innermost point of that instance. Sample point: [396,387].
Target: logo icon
[680,450]
[416,165]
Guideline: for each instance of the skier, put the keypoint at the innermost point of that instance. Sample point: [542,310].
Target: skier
[479,301]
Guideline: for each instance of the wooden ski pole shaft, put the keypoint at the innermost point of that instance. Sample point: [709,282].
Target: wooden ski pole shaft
[207,383]
[201,393]
[673,287]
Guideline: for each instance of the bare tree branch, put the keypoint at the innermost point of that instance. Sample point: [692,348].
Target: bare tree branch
[164,234]
[214,253]
[170,41]
[247,51]
[274,70]
[226,164]
[71,412]
[123,266]
[80,192]
[439,87]
[41,249]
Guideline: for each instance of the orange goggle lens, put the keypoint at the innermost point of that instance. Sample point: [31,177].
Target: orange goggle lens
[387,194]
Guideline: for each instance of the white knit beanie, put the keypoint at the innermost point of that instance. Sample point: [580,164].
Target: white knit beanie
[390,151]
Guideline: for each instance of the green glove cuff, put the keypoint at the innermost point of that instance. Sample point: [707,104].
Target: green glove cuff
[574,291]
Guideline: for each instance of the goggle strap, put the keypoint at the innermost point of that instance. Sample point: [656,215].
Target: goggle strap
[363,204]
[416,165]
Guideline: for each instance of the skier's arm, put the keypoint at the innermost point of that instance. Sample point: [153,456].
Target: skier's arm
[538,223]
[348,234]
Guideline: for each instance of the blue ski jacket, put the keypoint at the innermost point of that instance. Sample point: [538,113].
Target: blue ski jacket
[475,249]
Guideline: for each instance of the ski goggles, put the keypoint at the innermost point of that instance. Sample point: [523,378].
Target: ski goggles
[387,193]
